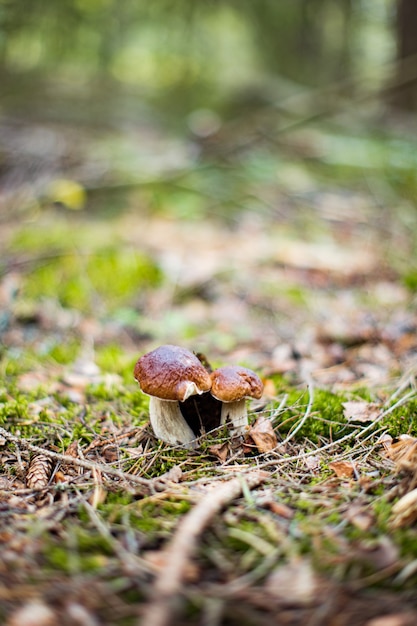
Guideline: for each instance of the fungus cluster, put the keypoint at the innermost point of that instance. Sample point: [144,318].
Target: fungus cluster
[187,400]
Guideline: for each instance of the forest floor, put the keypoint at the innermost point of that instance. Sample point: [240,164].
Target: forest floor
[310,519]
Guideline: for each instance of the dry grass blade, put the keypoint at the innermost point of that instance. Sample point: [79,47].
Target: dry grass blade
[168,584]
[305,416]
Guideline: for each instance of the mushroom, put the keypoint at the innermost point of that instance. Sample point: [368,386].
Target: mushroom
[171,375]
[232,385]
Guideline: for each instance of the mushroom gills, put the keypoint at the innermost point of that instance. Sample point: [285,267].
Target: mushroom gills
[202,413]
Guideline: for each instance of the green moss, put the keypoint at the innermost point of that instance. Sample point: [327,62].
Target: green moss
[402,420]
[305,507]
[112,358]
[110,275]
[326,415]
[117,498]
[64,559]
[152,517]
[61,352]
[14,411]
[410,280]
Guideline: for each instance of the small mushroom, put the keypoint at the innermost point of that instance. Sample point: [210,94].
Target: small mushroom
[232,385]
[171,375]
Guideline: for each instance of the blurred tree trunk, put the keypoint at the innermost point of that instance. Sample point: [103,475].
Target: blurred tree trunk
[405,96]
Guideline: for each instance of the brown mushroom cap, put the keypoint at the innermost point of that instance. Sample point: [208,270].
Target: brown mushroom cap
[171,373]
[233,383]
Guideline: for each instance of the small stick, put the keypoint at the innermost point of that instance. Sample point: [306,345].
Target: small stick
[167,586]
[66,458]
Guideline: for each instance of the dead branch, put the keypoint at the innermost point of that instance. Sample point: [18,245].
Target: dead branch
[167,585]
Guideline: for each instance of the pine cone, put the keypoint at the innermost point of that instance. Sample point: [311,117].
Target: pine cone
[39,471]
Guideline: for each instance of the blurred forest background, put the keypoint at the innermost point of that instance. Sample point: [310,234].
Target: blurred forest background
[275,121]
[108,94]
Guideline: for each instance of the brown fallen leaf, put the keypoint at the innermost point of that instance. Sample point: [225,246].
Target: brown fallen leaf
[79,615]
[59,477]
[262,434]
[270,390]
[174,474]
[379,553]
[294,583]
[360,517]
[313,462]
[361,411]
[73,449]
[33,612]
[158,560]
[404,512]
[342,469]
[220,450]
[267,500]
[281,509]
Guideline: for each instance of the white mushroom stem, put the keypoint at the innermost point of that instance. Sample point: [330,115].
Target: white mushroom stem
[168,422]
[235,414]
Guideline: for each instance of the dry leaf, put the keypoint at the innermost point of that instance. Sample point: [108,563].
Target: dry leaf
[360,517]
[110,453]
[278,508]
[220,450]
[313,462]
[34,613]
[60,477]
[404,512]
[79,615]
[174,474]
[266,499]
[262,434]
[379,553]
[342,469]
[270,390]
[73,449]
[361,411]
[158,560]
[32,380]
[294,583]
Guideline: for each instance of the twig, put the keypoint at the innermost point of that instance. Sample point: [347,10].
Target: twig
[167,586]
[73,461]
